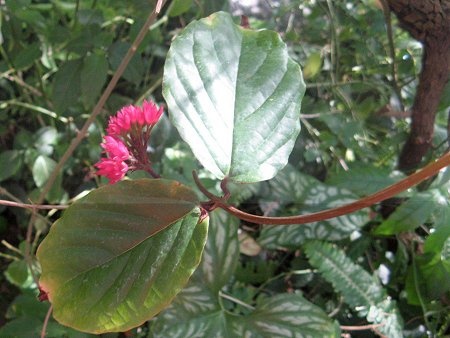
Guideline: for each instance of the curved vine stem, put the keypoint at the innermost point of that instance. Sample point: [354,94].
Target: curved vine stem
[388,192]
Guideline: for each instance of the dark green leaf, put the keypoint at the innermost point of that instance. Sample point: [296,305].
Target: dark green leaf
[27,56]
[432,268]
[234,95]
[22,327]
[66,85]
[27,304]
[408,216]
[10,163]
[118,256]
[437,242]
[135,69]
[93,77]
[18,274]
[178,7]
[363,179]
[31,17]
[211,6]
[90,16]
[445,99]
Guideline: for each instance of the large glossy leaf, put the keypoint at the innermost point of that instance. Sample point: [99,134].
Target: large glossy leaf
[197,313]
[359,289]
[118,256]
[305,194]
[234,95]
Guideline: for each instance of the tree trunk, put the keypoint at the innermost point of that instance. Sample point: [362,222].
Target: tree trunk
[428,21]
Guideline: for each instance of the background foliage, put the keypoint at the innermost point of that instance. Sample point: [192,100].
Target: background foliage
[384,265]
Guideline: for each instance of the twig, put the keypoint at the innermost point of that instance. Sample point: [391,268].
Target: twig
[11,247]
[337,309]
[32,206]
[394,82]
[333,42]
[46,320]
[22,83]
[361,327]
[235,300]
[36,108]
[5,192]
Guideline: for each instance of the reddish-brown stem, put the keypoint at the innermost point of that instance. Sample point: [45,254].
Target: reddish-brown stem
[224,187]
[46,320]
[388,192]
[150,170]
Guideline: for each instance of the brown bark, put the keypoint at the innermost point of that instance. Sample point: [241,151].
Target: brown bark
[428,21]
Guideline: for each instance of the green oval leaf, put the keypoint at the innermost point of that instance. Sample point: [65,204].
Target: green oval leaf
[135,69]
[42,169]
[93,77]
[118,256]
[234,95]
[67,86]
[18,274]
[410,215]
[178,7]
[313,65]
[10,163]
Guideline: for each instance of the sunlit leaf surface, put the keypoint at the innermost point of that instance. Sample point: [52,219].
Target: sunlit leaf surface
[234,95]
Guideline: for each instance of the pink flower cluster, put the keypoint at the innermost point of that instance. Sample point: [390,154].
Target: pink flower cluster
[130,116]
[125,144]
